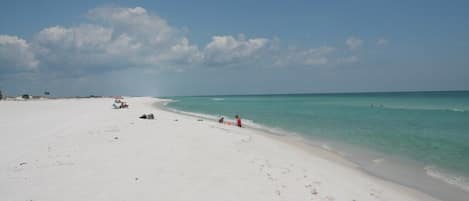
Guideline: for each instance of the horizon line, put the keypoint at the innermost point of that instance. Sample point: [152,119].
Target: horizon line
[319,93]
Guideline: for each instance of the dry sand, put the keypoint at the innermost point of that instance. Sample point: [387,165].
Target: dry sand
[81,149]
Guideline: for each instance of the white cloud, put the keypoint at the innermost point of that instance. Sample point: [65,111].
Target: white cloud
[133,37]
[346,60]
[228,49]
[354,43]
[81,37]
[182,52]
[16,54]
[136,22]
[118,38]
[308,57]
[123,45]
[316,56]
[81,46]
[382,42]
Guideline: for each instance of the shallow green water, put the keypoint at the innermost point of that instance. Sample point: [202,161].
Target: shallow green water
[429,127]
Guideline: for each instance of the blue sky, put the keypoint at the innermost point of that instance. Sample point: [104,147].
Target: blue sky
[232,47]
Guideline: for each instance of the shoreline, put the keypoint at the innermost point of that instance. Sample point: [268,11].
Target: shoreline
[413,174]
[85,150]
[308,145]
[295,140]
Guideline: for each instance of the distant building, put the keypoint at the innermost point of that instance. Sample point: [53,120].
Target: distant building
[26,96]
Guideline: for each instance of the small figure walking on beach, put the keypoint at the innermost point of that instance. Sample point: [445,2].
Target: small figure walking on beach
[238,121]
[221,120]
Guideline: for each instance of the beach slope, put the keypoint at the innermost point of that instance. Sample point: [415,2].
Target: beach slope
[82,149]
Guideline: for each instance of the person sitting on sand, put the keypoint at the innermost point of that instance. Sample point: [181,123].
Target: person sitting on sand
[124,105]
[221,120]
[238,121]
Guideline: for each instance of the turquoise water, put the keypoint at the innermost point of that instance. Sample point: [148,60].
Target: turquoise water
[429,127]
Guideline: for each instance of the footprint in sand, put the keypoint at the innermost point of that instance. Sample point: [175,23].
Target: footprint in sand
[60,160]
[55,156]
[64,163]
[223,129]
[246,140]
[269,176]
[114,139]
[375,193]
[285,171]
[312,187]
[20,166]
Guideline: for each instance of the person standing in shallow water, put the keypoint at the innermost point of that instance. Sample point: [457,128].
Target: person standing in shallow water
[238,121]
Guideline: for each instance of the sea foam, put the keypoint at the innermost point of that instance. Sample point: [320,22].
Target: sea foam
[459,181]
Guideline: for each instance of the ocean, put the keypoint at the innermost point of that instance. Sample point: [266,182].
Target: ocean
[418,139]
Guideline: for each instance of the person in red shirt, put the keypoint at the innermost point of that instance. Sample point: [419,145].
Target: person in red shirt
[238,121]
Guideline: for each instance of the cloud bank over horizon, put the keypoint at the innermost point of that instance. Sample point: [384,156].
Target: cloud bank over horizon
[135,51]
[120,38]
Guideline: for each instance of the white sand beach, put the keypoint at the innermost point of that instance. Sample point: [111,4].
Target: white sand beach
[82,149]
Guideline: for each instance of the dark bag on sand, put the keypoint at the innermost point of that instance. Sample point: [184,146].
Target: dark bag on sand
[150,116]
[147,116]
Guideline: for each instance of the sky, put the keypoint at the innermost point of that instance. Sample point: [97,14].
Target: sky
[172,48]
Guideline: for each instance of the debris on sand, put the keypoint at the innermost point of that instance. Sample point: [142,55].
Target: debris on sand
[147,116]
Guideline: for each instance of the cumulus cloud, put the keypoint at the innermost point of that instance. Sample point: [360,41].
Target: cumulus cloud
[228,49]
[133,37]
[136,22]
[354,43]
[82,46]
[119,38]
[16,54]
[382,42]
[81,37]
[181,52]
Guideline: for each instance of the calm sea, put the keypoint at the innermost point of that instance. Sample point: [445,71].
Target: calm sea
[420,139]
